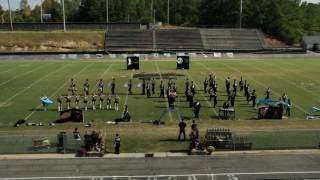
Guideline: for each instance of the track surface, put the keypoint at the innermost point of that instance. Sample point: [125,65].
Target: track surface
[229,167]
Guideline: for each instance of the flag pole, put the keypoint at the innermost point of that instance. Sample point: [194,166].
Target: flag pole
[64,17]
[11,25]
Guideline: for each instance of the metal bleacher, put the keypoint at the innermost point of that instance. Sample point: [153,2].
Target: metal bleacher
[178,39]
[183,40]
[129,40]
[231,39]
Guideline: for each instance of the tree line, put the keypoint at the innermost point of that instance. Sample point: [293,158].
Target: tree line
[288,20]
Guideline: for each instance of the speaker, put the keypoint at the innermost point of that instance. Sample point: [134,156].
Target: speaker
[132,62]
[183,62]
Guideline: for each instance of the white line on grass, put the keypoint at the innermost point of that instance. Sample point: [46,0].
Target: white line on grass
[205,98]
[126,100]
[34,83]
[260,84]
[11,69]
[172,175]
[289,82]
[59,89]
[21,75]
[167,105]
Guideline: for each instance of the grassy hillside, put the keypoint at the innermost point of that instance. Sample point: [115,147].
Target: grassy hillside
[23,41]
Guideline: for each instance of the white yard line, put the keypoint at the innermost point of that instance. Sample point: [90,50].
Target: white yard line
[167,105]
[59,89]
[205,98]
[260,84]
[283,79]
[171,175]
[292,64]
[19,66]
[21,75]
[303,88]
[126,100]
[34,83]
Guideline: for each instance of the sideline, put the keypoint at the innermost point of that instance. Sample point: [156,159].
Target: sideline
[159,154]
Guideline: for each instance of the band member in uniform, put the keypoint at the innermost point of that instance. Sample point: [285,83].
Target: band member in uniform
[241,84]
[130,86]
[148,90]
[59,100]
[205,85]
[171,98]
[246,86]
[153,85]
[161,89]
[228,84]
[215,101]
[229,94]
[248,94]
[288,109]
[85,102]
[143,87]
[211,80]
[268,93]
[73,87]
[77,100]
[116,102]
[169,84]
[126,114]
[211,94]
[193,88]
[100,86]
[182,127]
[215,87]
[235,87]
[253,98]
[187,86]
[117,142]
[284,97]
[196,109]
[232,99]
[225,107]
[68,101]
[190,98]
[101,99]
[86,87]
[113,86]
[93,99]
[108,102]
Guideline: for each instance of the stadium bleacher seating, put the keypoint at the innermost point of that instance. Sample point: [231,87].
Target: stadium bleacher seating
[231,39]
[129,40]
[178,39]
[184,40]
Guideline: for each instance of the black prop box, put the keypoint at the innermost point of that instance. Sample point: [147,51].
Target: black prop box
[183,62]
[132,62]
[71,115]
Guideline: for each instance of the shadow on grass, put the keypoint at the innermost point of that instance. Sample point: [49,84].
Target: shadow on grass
[215,117]
[41,109]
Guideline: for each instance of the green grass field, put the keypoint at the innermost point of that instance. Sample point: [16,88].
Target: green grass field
[23,82]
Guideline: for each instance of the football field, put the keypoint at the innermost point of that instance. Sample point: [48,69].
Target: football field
[22,82]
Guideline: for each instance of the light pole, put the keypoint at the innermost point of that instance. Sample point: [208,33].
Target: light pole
[10,15]
[64,17]
[107,11]
[240,14]
[168,12]
[151,9]
[41,11]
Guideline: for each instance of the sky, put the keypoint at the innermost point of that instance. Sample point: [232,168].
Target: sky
[15,3]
